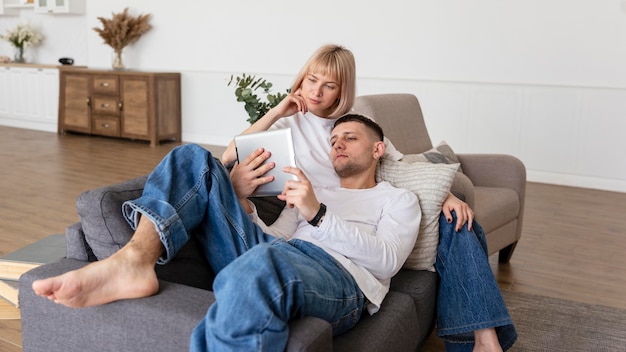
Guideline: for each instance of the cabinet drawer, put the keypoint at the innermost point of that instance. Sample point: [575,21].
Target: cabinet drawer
[106,126]
[106,85]
[106,105]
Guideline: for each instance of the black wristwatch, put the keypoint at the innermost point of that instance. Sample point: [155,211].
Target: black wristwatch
[317,219]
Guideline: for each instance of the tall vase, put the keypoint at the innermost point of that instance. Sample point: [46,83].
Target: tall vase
[19,55]
[117,60]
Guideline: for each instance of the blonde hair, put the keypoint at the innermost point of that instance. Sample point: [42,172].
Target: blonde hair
[337,62]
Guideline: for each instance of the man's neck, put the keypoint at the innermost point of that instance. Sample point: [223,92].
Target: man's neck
[362,181]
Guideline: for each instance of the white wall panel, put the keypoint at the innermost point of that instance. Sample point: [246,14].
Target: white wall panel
[446,113]
[551,129]
[495,115]
[603,129]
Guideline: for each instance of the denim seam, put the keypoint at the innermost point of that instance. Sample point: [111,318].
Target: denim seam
[193,191]
[471,327]
[233,222]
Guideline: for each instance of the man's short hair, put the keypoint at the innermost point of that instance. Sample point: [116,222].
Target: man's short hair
[369,123]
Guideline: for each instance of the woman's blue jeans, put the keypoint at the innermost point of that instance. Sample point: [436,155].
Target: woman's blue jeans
[261,282]
[469,297]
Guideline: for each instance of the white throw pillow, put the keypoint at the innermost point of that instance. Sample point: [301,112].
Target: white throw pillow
[431,183]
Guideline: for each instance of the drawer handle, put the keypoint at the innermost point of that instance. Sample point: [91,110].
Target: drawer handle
[106,125]
[104,105]
[104,84]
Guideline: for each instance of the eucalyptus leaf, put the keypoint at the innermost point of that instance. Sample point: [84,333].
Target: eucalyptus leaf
[245,88]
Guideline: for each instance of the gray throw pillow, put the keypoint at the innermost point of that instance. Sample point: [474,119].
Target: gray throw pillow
[441,154]
[100,213]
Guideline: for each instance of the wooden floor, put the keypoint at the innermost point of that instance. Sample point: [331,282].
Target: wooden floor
[573,244]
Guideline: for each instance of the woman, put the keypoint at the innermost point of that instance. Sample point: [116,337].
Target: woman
[323,91]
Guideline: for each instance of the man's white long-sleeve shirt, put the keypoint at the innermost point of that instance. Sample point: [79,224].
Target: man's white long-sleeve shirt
[371,232]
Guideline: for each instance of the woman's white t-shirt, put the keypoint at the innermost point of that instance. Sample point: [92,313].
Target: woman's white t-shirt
[311,141]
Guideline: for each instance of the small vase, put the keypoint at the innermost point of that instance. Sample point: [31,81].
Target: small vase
[117,60]
[19,55]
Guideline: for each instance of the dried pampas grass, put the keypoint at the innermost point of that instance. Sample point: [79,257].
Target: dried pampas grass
[122,29]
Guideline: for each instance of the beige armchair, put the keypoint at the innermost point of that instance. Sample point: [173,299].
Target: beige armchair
[493,185]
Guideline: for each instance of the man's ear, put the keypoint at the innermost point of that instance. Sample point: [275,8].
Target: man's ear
[379,149]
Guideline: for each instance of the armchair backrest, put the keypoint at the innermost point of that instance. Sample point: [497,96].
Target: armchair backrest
[400,116]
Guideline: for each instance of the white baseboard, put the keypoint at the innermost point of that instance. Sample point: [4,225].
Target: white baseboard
[604,184]
[31,125]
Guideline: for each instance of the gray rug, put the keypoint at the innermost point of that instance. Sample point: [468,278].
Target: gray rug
[550,324]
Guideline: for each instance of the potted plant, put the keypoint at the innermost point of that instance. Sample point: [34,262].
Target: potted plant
[21,37]
[120,31]
[256,107]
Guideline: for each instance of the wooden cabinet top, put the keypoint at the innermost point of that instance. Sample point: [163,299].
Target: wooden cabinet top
[13,64]
[87,70]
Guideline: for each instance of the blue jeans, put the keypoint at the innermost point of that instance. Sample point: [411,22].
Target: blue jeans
[469,297]
[262,282]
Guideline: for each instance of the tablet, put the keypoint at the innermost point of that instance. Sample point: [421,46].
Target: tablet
[280,144]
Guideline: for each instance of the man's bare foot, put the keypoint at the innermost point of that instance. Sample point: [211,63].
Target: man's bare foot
[124,275]
[486,340]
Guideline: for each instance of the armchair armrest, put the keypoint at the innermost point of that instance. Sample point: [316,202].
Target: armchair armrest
[495,170]
[463,188]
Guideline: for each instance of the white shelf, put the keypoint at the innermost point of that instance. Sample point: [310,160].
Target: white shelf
[20,6]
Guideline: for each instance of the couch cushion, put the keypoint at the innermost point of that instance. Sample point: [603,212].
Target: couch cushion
[495,206]
[431,183]
[422,286]
[393,328]
[162,322]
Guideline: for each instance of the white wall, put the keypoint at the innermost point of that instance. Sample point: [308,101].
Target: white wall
[544,81]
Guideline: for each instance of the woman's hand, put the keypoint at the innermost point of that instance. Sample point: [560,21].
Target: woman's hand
[463,212]
[290,105]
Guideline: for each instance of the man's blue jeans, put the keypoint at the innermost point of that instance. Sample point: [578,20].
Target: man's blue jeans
[469,297]
[261,282]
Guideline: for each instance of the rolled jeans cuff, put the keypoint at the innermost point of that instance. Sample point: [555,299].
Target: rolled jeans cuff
[166,223]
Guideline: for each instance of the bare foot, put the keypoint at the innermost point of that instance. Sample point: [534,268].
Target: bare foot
[124,275]
[486,340]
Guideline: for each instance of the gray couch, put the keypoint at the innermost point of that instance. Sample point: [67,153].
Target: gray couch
[164,322]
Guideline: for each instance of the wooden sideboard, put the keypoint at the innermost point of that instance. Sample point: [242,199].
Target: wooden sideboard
[127,104]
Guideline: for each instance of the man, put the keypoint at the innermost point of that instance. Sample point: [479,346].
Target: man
[331,253]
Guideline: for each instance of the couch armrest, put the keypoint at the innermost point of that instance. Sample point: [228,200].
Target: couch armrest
[463,188]
[495,170]
[162,322]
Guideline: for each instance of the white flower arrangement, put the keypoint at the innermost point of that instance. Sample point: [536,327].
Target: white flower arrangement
[23,36]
